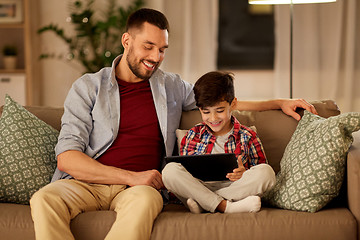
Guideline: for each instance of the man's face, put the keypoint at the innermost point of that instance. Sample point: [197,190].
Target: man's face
[146,50]
[218,117]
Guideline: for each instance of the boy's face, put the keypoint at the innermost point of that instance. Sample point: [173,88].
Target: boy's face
[218,117]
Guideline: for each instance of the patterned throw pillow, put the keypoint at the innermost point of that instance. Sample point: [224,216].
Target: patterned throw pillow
[27,157]
[313,165]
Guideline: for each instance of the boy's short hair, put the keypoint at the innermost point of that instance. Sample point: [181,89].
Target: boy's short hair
[213,88]
[154,17]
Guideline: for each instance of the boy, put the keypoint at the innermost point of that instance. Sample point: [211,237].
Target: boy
[220,132]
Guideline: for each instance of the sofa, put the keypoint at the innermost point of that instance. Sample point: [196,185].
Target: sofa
[340,219]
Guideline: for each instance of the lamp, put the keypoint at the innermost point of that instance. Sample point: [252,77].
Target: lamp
[291,2]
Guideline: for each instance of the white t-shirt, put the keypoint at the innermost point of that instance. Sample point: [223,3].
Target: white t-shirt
[220,142]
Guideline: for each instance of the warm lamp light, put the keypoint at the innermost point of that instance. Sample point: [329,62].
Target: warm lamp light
[270,2]
[291,2]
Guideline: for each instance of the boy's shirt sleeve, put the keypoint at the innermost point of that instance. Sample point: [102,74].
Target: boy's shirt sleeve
[188,145]
[256,152]
[195,142]
[251,150]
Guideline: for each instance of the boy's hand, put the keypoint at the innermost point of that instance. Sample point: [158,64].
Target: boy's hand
[236,174]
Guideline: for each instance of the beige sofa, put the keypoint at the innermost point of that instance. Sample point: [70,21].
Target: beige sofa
[339,220]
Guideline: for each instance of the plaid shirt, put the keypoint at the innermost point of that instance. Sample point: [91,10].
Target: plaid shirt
[244,142]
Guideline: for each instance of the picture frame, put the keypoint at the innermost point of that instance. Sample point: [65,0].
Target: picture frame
[11,11]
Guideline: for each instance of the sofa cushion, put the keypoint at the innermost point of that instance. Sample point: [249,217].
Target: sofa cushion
[176,222]
[99,222]
[313,166]
[27,157]
[16,222]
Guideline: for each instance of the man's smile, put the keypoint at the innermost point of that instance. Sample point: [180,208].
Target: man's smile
[148,65]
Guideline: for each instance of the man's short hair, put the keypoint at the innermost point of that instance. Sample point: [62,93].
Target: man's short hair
[213,88]
[154,17]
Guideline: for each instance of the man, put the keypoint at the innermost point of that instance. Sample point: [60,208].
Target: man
[110,147]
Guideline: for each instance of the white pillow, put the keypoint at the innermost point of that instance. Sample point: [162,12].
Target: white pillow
[180,134]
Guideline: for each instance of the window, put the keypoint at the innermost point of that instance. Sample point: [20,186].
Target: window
[246,36]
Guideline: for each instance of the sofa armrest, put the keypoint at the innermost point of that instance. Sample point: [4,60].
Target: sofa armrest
[353,178]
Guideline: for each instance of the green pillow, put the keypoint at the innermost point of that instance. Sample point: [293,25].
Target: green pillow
[313,165]
[27,157]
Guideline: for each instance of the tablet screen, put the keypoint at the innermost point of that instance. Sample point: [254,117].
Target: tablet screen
[207,167]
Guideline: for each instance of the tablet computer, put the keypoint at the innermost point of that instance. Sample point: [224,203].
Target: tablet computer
[207,167]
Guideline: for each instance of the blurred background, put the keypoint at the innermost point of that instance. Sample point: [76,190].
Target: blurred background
[253,42]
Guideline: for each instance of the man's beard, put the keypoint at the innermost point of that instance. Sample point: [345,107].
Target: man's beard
[136,68]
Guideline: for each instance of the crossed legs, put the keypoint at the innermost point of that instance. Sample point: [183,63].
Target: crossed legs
[209,195]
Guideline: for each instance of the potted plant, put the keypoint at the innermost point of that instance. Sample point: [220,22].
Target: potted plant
[96,41]
[10,56]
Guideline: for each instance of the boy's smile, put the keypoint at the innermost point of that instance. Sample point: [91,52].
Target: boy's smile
[218,117]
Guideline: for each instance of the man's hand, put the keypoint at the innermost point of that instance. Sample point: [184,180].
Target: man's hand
[289,106]
[150,178]
[73,162]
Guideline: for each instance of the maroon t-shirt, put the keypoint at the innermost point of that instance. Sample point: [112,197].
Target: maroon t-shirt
[139,144]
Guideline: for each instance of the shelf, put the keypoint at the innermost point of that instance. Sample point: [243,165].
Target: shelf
[11,71]
[12,25]
[24,35]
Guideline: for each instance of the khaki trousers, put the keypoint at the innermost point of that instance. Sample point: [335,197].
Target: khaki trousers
[208,195]
[53,207]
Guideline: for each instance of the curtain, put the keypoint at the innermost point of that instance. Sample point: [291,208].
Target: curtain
[192,38]
[326,52]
